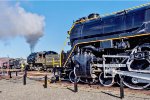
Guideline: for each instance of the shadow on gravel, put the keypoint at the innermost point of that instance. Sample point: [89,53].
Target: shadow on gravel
[71,89]
[0,91]
[36,79]
[110,94]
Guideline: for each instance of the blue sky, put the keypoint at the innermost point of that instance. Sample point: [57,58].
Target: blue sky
[59,16]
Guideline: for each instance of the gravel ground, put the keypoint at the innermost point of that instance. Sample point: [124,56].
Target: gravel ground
[14,89]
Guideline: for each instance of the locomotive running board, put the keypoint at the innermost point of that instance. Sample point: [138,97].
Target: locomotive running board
[144,76]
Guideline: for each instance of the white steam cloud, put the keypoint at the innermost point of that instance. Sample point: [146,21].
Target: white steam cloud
[15,21]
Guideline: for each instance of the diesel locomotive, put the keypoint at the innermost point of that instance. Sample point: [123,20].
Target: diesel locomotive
[44,60]
[113,46]
[13,63]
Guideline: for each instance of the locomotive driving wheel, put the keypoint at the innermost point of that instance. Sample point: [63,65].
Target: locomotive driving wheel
[72,77]
[138,62]
[105,81]
[136,83]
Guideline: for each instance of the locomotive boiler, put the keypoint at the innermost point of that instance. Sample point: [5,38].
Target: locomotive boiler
[113,46]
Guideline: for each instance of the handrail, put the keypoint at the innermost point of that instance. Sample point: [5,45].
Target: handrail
[55,62]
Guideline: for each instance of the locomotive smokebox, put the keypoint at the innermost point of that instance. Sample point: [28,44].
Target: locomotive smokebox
[83,66]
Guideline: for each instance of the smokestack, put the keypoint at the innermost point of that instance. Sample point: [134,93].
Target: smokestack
[16,21]
[31,49]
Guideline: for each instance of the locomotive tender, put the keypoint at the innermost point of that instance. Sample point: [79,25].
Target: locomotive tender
[113,46]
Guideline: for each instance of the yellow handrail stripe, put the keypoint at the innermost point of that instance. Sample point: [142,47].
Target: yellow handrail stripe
[56,63]
[101,41]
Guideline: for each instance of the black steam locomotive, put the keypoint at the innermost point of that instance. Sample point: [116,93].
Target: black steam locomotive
[110,47]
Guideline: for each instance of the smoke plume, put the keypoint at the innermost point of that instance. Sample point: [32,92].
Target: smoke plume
[15,21]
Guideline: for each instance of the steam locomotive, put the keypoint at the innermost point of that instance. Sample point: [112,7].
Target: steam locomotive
[110,47]
[113,46]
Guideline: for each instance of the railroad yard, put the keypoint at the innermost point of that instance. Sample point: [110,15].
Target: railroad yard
[103,57]
[13,89]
